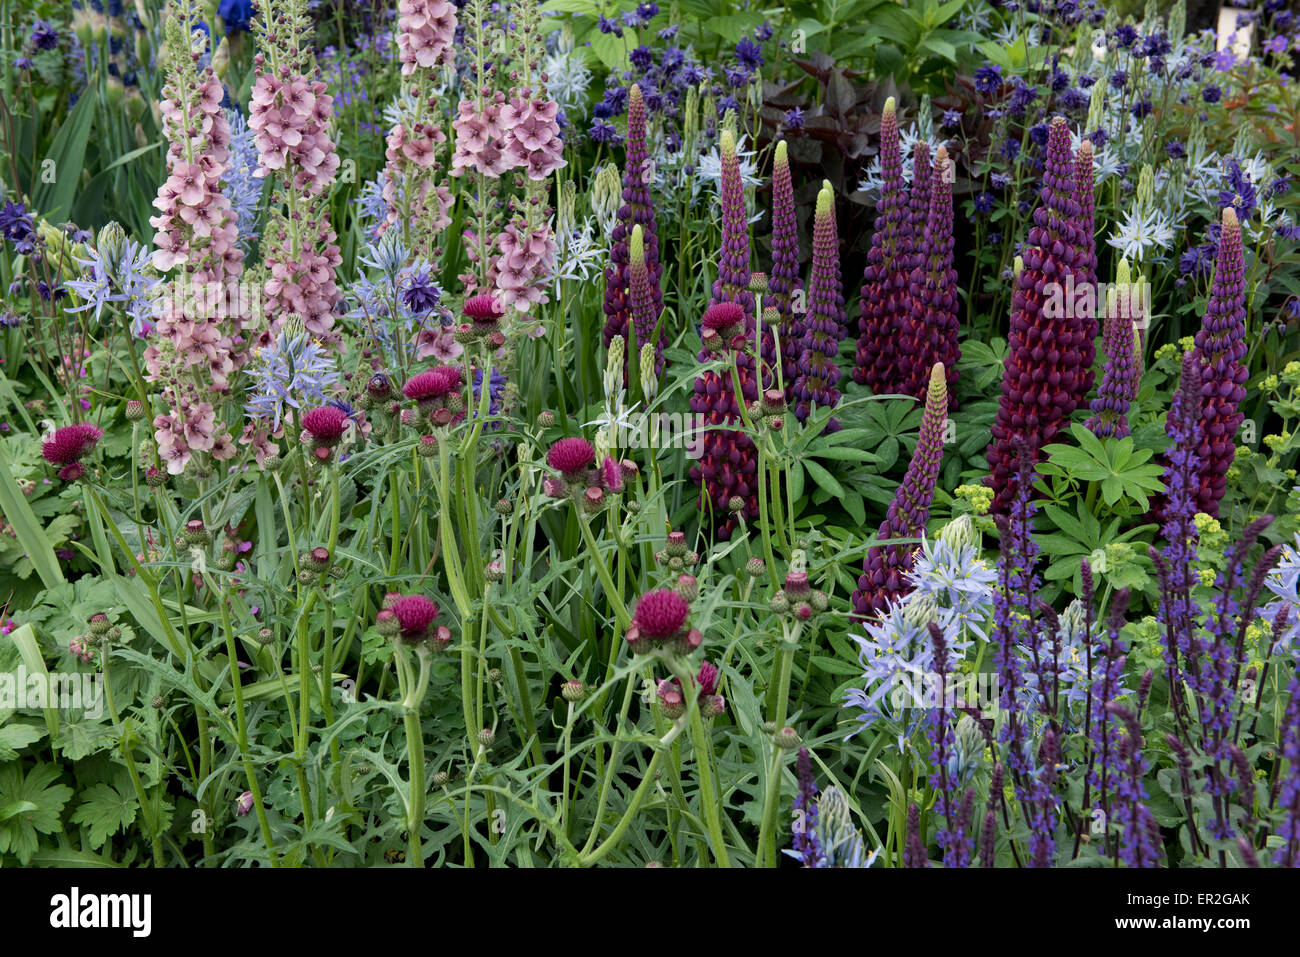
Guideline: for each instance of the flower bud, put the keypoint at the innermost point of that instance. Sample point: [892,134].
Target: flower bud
[960,532]
[504,506]
[786,739]
[755,567]
[487,737]
[920,610]
[99,624]
[386,623]
[688,587]
[195,534]
[440,779]
[134,410]
[494,572]
[545,420]
[572,691]
[779,603]
[110,244]
[427,447]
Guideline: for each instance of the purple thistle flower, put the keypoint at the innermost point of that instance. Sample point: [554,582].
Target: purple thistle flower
[1048,372]
[885,569]
[884,298]
[824,322]
[637,209]
[928,331]
[784,283]
[1220,346]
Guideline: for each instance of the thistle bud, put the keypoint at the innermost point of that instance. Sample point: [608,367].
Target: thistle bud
[786,739]
[494,675]
[134,410]
[155,478]
[195,534]
[545,419]
[758,282]
[755,567]
[427,447]
[676,546]
[487,737]
[440,779]
[386,623]
[99,624]
[494,572]
[504,506]
[572,691]
[736,504]
[779,603]
[688,587]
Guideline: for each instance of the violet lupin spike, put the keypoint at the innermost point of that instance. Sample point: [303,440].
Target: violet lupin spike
[928,332]
[1048,371]
[784,284]
[818,372]
[732,284]
[645,308]
[1119,380]
[637,209]
[884,280]
[918,205]
[1085,196]
[885,569]
[1220,347]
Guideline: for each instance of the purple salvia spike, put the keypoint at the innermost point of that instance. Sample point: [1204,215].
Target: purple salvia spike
[784,285]
[637,209]
[885,569]
[1048,371]
[928,333]
[884,281]
[1220,346]
[824,323]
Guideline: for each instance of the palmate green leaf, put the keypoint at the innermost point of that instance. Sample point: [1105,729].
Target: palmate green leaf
[37,788]
[15,736]
[105,810]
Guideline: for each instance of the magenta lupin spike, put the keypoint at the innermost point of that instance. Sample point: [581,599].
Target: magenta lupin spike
[818,372]
[637,209]
[928,332]
[1220,347]
[1048,371]
[784,284]
[885,569]
[884,280]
